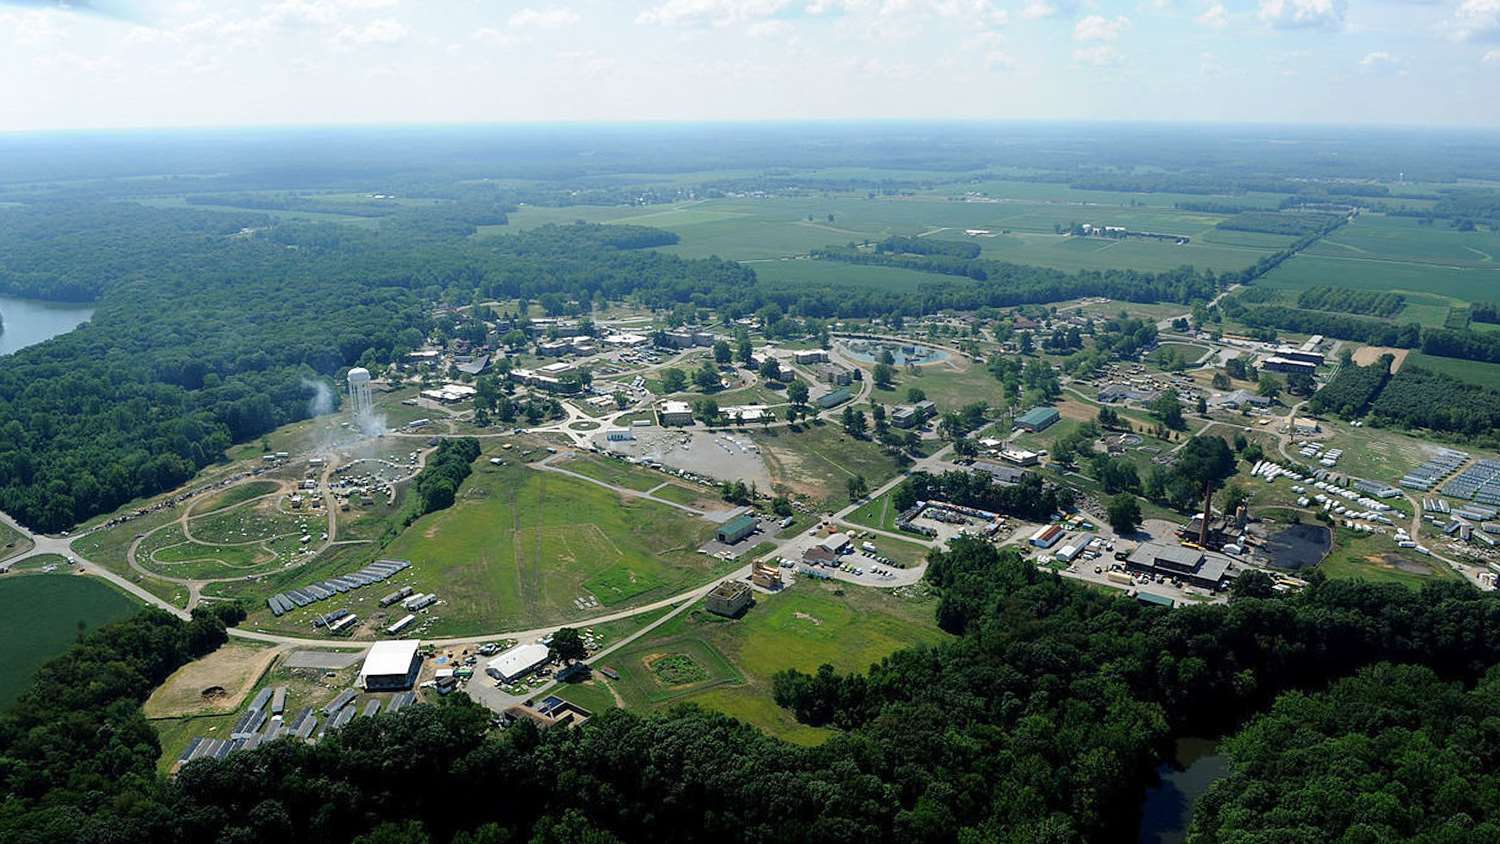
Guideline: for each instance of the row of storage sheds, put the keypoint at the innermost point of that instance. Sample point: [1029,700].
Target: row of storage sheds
[284,602]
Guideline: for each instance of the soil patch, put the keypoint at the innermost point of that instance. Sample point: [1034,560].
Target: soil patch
[1367,355]
[215,684]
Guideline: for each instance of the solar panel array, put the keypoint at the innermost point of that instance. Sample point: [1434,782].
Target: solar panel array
[1480,482]
[247,734]
[284,602]
[1426,476]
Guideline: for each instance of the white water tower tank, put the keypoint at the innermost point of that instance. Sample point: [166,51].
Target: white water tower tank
[361,404]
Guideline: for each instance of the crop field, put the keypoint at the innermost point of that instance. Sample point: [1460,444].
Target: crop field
[1473,371]
[1375,237]
[818,461]
[44,613]
[1022,218]
[521,545]
[819,273]
[1457,282]
[806,626]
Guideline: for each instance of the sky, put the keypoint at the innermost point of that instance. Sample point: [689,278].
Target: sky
[78,64]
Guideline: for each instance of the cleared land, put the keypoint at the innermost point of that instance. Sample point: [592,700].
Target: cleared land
[818,461]
[1377,559]
[521,545]
[44,614]
[732,661]
[216,684]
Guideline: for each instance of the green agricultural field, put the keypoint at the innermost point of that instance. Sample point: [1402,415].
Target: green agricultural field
[44,613]
[765,229]
[1373,237]
[1473,371]
[805,626]
[521,545]
[1466,283]
[819,273]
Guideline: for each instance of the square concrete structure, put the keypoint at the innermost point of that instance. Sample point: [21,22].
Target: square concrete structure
[729,599]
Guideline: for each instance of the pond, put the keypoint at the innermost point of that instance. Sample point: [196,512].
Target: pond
[869,351]
[29,321]
[1168,808]
[1299,546]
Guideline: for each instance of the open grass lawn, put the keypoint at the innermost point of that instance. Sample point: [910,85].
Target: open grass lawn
[878,512]
[108,548]
[945,385]
[232,496]
[12,542]
[1375,453]
[1473,371]
[521,545]
[818,461]
[1377,559]
[44,614]
[616,472]
[733,660]
[691,496]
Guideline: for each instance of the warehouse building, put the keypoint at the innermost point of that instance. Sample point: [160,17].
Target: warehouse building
[1188,564]
[1038,419]
[517,662]
[390,666]
[736,529]
[675,413]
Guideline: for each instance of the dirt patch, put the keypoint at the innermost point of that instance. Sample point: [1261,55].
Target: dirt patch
[1367,355]
[1071,409]
[805,617]
[215,684]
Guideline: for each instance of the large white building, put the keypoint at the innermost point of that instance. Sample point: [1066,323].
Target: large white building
[517,662]
[390,666]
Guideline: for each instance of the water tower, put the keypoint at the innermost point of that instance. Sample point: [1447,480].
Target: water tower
[360,402]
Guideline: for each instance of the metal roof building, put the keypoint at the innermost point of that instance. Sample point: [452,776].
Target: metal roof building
[517,662]
[390,665]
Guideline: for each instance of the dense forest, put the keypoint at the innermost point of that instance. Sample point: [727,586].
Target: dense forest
[1376,332]
[928,246]
[1351,391]
[1044,720]
[1419,398]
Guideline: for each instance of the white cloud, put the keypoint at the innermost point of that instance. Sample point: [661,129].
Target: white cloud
[1099,28]
[1379,61]
[1306,14]
[30,29]
[718,13]
[1208,64]
[1103,55]
[382,32]
[1214,17]
[1477,20]
[1492,57]
[493,37]
[553,18]
[769,29]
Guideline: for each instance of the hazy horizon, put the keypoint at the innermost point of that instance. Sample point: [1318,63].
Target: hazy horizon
[146,64]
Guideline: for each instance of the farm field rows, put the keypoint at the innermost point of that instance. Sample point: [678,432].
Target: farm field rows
[44,613]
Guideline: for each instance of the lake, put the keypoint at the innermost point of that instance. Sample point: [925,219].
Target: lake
[29,321]
[1169,806]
